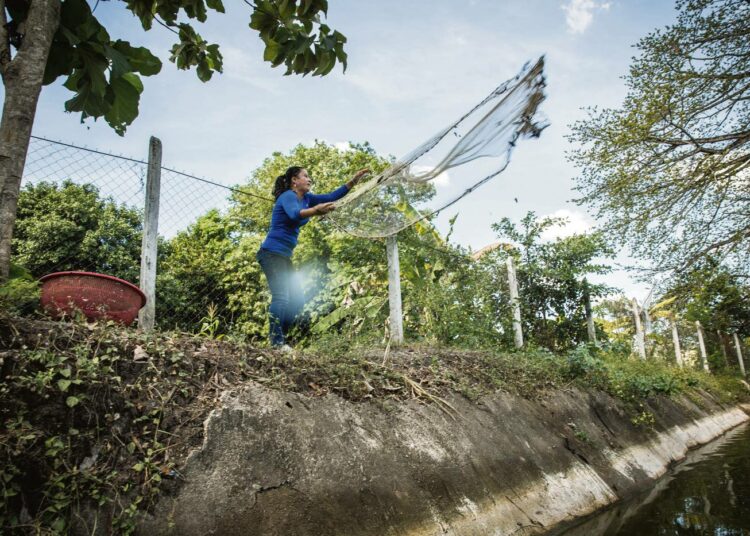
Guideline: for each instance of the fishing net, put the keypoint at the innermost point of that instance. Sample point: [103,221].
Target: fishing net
[451,164]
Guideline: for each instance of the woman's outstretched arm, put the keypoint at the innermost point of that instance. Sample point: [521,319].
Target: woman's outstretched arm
[340,192]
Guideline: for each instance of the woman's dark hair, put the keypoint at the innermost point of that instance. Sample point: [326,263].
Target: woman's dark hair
[284,182]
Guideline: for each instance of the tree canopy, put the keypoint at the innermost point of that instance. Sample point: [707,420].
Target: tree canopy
[667,171]
[72,227]
[104,73]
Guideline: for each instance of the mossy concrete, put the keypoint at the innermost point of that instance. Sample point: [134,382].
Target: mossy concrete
[280,463]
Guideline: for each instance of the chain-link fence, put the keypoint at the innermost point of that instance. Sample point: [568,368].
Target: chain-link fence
[83,210]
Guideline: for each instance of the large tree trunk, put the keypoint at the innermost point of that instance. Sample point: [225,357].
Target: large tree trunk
[22,77]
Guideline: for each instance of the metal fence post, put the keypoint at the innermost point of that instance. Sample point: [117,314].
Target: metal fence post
[394,291]
[515,302]
[147,315]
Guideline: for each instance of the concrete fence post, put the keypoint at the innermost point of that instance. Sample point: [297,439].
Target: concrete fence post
[722,348]
[739,352]
[676,342]
[515,303]
[590,327]
[394,291]
[702,346]
[640,339]
[147,281]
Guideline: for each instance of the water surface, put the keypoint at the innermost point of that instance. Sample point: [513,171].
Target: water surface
[707,494]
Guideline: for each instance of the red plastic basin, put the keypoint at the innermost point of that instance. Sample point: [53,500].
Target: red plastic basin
[95,295]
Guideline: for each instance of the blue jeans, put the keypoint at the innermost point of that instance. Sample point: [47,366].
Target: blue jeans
[287,297]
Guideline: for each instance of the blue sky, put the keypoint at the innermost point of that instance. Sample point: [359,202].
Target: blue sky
[413,68]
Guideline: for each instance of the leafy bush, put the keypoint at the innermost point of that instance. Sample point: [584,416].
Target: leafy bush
[582,360]
[20,294]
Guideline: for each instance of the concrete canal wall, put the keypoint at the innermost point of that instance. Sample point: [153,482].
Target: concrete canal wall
[279,463]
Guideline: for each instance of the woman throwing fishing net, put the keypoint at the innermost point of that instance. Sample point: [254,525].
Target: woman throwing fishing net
[295,205]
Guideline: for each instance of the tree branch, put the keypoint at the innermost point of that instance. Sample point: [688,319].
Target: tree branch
[733,239]
[699,142]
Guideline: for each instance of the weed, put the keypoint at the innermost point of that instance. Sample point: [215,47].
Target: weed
[643,419]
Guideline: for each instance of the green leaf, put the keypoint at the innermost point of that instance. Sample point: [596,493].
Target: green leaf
[304,7]
[140,58]
[72,401]
[73,12]
[216,5]
[93,65]
[286,9]
[126,92]
[262,22]
[120,64]
[58,525]
[326,62]
[63,385]
[204,71]
[215,57]
[86,101]
[272,51]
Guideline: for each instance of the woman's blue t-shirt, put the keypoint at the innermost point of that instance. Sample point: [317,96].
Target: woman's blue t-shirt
[286,221]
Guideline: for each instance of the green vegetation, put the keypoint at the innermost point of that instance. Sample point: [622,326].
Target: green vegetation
[70,226]
[99,417]
[448,297]
[552,279]
[707,293]
[103,417]
[20,293]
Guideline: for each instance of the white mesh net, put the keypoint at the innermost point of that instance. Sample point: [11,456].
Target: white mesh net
[475,149]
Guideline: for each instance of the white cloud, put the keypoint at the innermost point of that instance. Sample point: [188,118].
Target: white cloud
[579,14]
[441,180]
[576,223]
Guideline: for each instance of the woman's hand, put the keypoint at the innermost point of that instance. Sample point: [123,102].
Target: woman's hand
[317,210]
[357,177]
[324,208]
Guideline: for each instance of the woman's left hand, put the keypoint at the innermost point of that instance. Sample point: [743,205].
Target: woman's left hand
[358,176]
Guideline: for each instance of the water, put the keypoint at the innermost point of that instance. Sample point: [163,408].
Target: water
[707,494]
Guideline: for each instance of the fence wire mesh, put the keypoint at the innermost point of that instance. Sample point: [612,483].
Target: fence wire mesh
[83,210]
